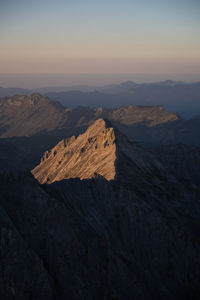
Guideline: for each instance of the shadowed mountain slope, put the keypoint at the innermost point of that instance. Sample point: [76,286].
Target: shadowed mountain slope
[62,256]
[22,272]
[182,160]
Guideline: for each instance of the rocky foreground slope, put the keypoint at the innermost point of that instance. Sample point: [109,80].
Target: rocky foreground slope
[133,236]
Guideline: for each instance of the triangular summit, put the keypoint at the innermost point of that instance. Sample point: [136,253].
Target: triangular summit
[102,150]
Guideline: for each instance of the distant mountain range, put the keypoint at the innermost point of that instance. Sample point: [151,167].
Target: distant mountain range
[32,124]
[35,114]
[178,96]
[29,115]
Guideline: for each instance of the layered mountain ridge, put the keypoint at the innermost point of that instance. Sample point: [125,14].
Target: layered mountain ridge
[36,115]
[28,115]
[174,95]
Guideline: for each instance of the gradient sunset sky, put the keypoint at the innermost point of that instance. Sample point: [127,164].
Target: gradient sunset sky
[113,36]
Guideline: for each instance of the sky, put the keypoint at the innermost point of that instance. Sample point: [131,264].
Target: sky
[100,37]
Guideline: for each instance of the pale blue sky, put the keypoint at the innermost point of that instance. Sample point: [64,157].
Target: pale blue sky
[46,36]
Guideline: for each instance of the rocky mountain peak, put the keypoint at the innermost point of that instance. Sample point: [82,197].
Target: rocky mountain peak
[102,150]
[99,126]
[91,153]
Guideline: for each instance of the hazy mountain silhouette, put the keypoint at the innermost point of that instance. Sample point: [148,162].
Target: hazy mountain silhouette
[175,96]
[9,92]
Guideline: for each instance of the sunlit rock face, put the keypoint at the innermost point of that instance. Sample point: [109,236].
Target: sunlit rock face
[101,150]
[91,153]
